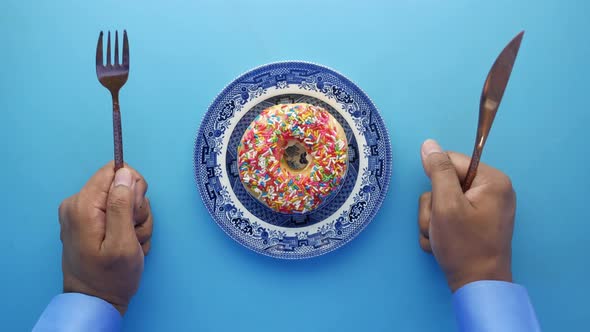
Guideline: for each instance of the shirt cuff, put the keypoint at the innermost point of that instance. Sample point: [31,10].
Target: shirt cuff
[489,305]
[78,312]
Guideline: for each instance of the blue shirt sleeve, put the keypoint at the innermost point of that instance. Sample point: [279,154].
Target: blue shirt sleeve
[78,312]
[488,305]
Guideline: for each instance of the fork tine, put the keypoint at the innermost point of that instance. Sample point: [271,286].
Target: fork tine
[116,47]
[99,50]
[125,49]
[109,50]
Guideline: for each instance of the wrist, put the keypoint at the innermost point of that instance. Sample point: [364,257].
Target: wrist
[489,270]
[73,285]
[122,309]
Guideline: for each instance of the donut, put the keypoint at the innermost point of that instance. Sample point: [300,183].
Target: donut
[292,157]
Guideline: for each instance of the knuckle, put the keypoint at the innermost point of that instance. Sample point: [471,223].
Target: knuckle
[443,163]
[425,244]
[143,234]
[143,216]
[424,225]
[61,210]
[423,219]
[118,204]
[144,183]
[140,181]
[69,213]
[64,208]
[150,224]
[118,256]
[503,184]
[140,185]
[424,199]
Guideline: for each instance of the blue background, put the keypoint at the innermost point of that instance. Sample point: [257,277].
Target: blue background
[422,62]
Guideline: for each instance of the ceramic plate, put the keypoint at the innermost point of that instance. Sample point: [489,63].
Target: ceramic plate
[251,223]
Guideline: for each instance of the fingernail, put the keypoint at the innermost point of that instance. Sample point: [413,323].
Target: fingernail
[430,146]
[123,177]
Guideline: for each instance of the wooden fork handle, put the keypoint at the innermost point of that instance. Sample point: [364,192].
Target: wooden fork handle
[117,134]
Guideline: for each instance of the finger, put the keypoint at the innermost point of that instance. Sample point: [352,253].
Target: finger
[70,224]
[141,187]
[144,231]
[424,212]
[461,163]
[146,247]
[441,171]
[141,212]
[120,230]
[425,244]
[64,216]
[64,210]
[101,181]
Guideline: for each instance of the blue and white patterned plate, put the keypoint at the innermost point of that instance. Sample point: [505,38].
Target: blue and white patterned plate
[250,222]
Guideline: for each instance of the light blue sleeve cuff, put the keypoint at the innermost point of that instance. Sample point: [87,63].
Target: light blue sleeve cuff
[78,312]
[488,305]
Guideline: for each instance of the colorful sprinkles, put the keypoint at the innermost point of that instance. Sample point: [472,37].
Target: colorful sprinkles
[263,145]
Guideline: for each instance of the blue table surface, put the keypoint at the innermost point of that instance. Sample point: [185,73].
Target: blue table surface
[423,63]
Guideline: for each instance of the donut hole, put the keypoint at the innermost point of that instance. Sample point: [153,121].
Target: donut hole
[296,157]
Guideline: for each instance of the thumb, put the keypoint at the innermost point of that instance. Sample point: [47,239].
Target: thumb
[441,171]
[120,224]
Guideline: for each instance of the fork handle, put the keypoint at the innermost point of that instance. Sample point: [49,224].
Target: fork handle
[117,133]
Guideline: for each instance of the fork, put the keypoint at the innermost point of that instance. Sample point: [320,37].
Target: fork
[113,77]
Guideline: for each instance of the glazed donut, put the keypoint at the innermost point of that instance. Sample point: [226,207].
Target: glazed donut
[292,157]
